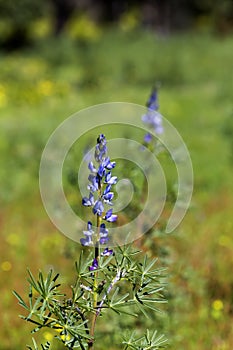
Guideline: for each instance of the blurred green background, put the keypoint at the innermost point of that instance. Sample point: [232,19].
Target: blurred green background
[58,57]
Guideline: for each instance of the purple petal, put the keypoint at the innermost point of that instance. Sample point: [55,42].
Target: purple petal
[101,170]
[108,197]
[101,139]
[89,226]
[86,242]
[159,130]
[148,138]
[107,252]
[94,186]
[108,213]
[152,102]
[107,189]
[103,230]
[98,208]
[109,216]
[112,218]
[109,179]
[108,176]
[113,180]
[91,167]
[87,202]
[111,165]
[104,240]
[94,265]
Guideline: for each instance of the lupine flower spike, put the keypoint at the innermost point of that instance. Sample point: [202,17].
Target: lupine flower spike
[118,281]
[100,195]
[152,117]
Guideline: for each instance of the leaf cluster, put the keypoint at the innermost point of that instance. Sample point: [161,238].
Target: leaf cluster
[121,283]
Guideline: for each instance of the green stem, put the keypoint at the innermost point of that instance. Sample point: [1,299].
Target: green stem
[95,293]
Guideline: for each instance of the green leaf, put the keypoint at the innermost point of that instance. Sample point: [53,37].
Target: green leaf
[82,265]
[32,281]
[146,342]
[21,301]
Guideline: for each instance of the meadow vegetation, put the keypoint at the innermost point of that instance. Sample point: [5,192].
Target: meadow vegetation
[43,85]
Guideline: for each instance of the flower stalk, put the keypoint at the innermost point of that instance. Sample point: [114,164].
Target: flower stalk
[101,181]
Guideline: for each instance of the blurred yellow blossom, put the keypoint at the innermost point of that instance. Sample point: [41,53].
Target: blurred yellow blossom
[129,20]
[41,28]
[83,28]
[45,87]
[217,308]
[217,305]
[3,96]
[224,241]
[6,266]
[63,336]
[48,336]
[13,239]
[32,68]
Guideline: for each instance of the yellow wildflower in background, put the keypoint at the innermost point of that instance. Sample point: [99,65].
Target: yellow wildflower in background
[41,28]
[83,28]
[217,305]
[45,87]
[6,266]
[13,239]
[63,336]
[129,20]
[3,96]
[216,309]
[225,241]
[48,336]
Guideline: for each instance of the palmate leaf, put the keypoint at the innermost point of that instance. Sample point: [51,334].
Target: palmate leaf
[147,271]
[147,342]
[147,266]
[118,304]
[45,287]
[124,258]
[78,330]
[127,251]
[143,302]
[34,308]
[31,308]
[43,298]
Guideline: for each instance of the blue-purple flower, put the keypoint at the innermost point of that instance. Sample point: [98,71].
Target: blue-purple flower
[109,216]
[87,241]
[101,194]
[152,102]
[107,252]
[98,208]
[109,179]
[88,202]
[94,265]
[152,117]
[103,234]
